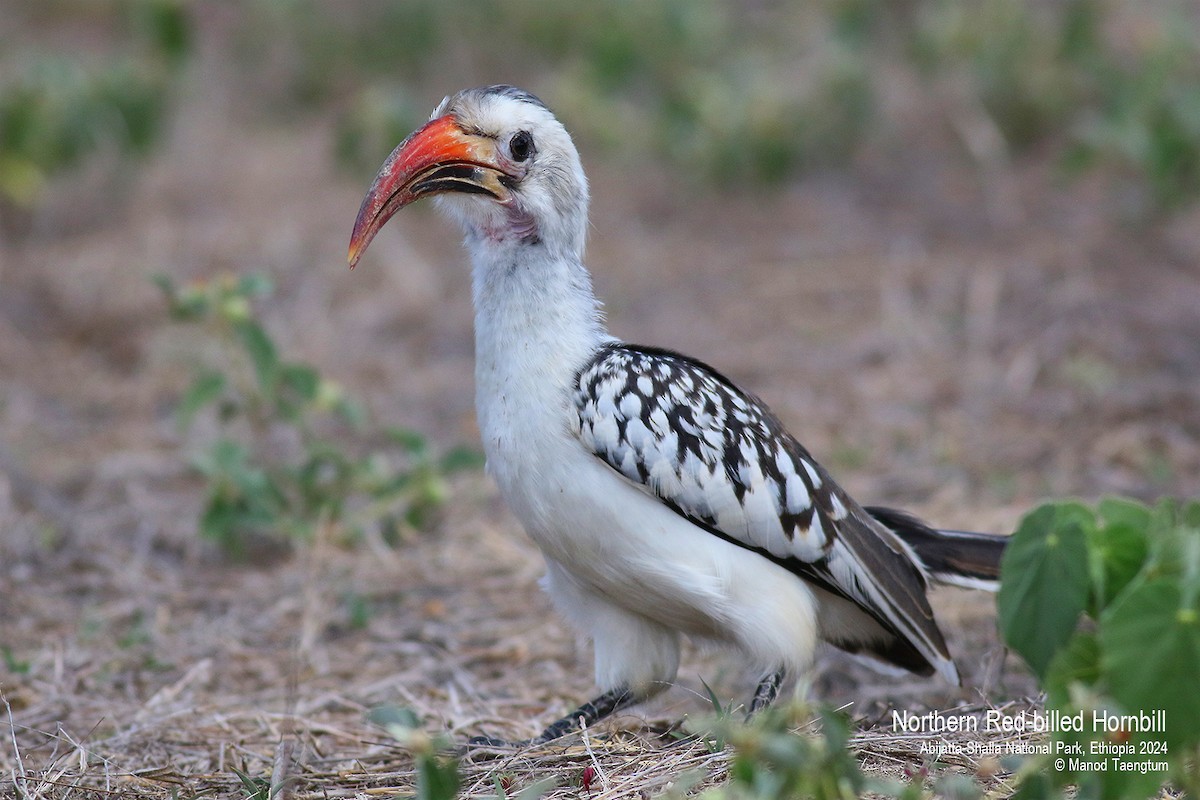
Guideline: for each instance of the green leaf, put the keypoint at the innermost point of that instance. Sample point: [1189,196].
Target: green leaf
[1078,662]
[168,26]
[350,412]
[1044,581]
[1189,514]
[255,285]
[436,779]
[835,727]
[324,478]
[715,701]
[1120,510]
[165,283]
[1150,643]
[542,787]
[461,459]
[1174,546]
[397,716]
[242,497]
[1120,549]
[205,389]
[261,350]
[410,441]
[224,455]
[255,788]
[957,787]
[1036,786]
[297,388]
[184,305]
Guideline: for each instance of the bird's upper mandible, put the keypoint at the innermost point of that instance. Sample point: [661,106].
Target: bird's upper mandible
[499,161]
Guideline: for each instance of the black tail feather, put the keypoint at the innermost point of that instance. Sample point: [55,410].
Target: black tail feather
[961,558]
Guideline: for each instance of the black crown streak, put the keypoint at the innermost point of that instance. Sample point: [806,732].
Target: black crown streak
[512,92]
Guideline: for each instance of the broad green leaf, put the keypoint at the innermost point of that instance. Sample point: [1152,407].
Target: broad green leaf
[1174,545]
[206,388]
[1189,514]
[1116,510]
[1120,549]
[1078,662]
[1150,642]
[1036,786]
[1044,583]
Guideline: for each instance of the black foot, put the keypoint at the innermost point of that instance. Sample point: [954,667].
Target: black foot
[493,742]
[587,714]
[767,691]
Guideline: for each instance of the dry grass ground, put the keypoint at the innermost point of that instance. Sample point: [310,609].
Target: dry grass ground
[957,344]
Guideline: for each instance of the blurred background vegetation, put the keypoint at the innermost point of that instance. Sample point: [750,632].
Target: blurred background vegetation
[726,101]
[741,94]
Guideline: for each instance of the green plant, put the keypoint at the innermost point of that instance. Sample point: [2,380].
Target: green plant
[757,96]
[253,788]
[1146,118]
[1104,605]
[12,663]
[292,452]
[1019,60]
[1103,87]
[437,773]
[794,750]
[712,91]
[57,111]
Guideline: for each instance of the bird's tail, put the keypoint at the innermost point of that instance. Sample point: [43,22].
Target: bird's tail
[959,558]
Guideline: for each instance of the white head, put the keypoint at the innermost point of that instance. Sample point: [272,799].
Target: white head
[502,165]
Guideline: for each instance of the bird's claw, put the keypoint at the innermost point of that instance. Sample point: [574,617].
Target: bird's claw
[492,743]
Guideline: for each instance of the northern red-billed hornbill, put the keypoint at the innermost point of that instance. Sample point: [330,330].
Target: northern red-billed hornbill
[665,499]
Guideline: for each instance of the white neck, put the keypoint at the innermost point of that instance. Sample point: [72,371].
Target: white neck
[537,322]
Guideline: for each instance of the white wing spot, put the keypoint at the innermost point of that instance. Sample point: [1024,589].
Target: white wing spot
[631,406]
[838,510]
[797,494]
[812,473]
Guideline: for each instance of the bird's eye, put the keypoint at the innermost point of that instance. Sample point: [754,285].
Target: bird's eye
[520,146]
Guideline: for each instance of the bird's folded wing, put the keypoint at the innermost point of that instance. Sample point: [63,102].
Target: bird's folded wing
[683,433]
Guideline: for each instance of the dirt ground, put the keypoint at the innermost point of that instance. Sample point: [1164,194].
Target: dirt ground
[960,343]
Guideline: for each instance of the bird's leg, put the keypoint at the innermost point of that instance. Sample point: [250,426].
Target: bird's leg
[767,691]
[592,711]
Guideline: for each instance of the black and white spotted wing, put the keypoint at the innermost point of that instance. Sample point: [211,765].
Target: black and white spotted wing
[682,432]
